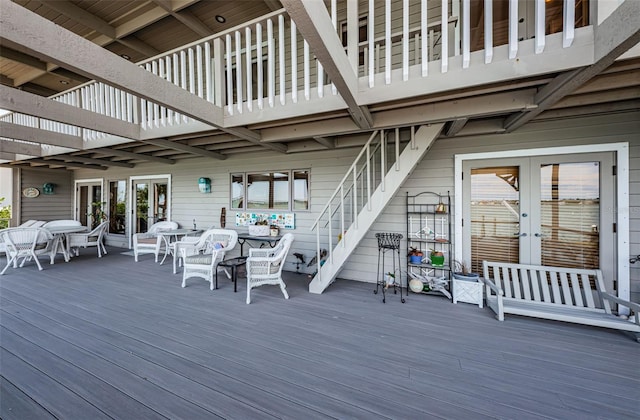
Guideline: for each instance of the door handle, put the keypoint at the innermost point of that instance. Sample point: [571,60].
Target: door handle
[520,234]
[539,235]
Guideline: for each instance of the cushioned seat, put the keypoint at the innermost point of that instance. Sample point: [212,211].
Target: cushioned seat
[150,242]
[201,258]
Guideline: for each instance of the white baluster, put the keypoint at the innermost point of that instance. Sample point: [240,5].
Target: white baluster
[169,76]
[444,37]
[229,76]
[207,71]
[239,89]
[569,23]
[281,64]
[249,101]
[199,71]
[259,64]
[306,70]
[270,64]
[488,31]
[466,31]
[370,38]
[294,63]
[387,42]
[513,28]
[405,40]
[540,23]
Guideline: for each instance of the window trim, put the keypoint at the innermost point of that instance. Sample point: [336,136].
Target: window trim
[291,191]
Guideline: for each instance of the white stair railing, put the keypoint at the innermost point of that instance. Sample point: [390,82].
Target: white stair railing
[353,194]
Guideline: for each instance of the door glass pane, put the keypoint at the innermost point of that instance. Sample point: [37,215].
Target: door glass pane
[142,207]
[117,206]
[83,204]
[160,205]
[495,210]
[96,206]
[570,214]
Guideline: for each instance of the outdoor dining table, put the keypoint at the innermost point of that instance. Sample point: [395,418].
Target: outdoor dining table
[244,237]
[171,236]
[60,242]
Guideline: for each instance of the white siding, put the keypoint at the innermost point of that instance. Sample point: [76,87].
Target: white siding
[434,173]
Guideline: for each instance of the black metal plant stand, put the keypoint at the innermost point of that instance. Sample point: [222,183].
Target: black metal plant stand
[389,242]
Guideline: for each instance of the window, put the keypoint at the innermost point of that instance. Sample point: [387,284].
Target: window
[277,190]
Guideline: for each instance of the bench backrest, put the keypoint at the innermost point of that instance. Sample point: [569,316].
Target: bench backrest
[557,285]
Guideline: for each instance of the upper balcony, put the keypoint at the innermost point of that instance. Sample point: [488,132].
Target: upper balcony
[274,80]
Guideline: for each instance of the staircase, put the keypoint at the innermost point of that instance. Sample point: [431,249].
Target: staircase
[375,176]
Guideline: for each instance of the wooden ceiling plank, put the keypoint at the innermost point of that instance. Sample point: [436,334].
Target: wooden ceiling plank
[185,17]
[7,156]
[185,148]
[613,37]
[7,81]
[81,159]
[83,17]
[131,155]
[27,103]
[15,147]
[44,39]
[36,135]
[138,45]
[313,22]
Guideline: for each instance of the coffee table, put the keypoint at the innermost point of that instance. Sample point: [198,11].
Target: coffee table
[233,264]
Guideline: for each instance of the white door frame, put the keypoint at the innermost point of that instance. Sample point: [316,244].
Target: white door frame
[77,183]
[132,197]
[622,195]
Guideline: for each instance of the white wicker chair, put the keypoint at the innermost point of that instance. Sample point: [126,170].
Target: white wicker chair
[86,240]
[264,266]
[26,243]
[151,242]
[200,259]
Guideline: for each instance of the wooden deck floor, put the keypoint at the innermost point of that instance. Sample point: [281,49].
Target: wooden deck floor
[112,338]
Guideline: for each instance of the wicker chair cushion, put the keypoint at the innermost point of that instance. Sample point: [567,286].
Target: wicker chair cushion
[147,240]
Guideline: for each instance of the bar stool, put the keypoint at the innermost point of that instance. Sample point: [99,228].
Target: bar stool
[389,242]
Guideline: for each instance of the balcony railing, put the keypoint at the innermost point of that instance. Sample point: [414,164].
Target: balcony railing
[266,64]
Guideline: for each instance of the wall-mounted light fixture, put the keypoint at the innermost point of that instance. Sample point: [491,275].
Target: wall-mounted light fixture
[204,185]
[48,188]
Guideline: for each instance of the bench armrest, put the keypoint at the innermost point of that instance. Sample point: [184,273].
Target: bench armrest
[492,286]
[616,299]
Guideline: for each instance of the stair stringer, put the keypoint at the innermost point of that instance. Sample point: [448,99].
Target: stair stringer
[394,178]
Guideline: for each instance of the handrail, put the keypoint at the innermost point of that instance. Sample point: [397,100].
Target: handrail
[349,173]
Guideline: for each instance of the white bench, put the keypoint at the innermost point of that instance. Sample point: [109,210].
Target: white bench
[561,294]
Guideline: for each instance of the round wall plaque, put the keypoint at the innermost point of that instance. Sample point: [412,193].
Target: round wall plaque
[31,192]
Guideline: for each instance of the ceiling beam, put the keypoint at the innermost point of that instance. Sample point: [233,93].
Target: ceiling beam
[131,155]
[168,144]
[329,143]
[81,16]
[36,89]
[27,103]
[7,81]
[8,146]
[455,126]
[7,156]
[613,37]
[60,163]
[273,5]
[22,58]
[26,31]
[138,45]
[185,17]
[314,23]
[36,135]
[93,161]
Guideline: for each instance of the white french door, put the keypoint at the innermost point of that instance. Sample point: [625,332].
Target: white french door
[150,201]
[551,210]
[89,201]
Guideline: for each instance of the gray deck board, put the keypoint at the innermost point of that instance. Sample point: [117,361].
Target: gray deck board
[122,339]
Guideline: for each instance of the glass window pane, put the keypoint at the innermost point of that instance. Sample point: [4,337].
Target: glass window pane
[570,214]
[300,190]
[495,220]
[268,191]
[237,191]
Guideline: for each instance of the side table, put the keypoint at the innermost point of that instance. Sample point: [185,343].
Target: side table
[233,264]
[467,291]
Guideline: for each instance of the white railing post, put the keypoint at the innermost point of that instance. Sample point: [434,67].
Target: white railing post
[247,35]
[270,64]
[488,31]
[259,66]
[239,89]
[355,197]
[342,214]
[513,28]
[405,40]
[368,169]
[387,42]
[294,63]
[423,38]
[466,33]
[444,37]
[540,26]
[370,38]
[569,23]
[218,72]
[383,157]
[281,62]
[397,150]
[229,75]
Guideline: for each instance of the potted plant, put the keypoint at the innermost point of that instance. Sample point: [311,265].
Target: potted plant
[462,271]
[261,228]
[437,258]
[415,255]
